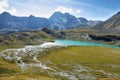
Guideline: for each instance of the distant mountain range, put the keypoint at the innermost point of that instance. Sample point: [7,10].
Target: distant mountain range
[57,21]
[9,22]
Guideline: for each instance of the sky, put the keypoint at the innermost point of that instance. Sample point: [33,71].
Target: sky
[90,9]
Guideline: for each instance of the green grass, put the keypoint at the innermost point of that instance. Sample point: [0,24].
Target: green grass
[11,71]
[8,68]
[26,77]
[97,58]
[20,39]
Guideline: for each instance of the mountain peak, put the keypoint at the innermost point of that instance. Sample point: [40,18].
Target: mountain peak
[82,18]
[6,13]
[31,16]
[58,13]
[111,25]
[118,12]
[67,14]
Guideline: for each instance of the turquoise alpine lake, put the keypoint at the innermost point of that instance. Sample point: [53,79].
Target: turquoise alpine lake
[81,43]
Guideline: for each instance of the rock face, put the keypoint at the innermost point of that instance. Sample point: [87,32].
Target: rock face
[105,37]
[85,22]
[93,23]
[54,33]
[60,21]
[112,25]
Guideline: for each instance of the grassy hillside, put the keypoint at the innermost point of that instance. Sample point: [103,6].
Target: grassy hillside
[79,33]
[63,63]
[92,35]
[20,39]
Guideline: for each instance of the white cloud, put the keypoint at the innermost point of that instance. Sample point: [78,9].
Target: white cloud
[13,11]
[4,6]
[78,11]
[64,9]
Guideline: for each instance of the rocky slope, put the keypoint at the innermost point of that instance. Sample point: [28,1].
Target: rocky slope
[60,21]
[19,39]
[54,33]
[92,35]
[110,26]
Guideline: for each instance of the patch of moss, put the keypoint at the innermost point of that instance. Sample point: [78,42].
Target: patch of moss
[7,71]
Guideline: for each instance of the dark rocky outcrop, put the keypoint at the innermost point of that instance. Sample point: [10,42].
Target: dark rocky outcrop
[107,38]
[54,33]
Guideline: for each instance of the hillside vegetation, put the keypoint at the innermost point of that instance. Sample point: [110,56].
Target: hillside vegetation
[20,39]
[85,63]
[66,63]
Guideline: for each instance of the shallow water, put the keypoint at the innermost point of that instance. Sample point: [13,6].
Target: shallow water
[81,43]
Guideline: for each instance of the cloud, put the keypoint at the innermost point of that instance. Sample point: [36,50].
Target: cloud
[64,9]
[13,11]
[4,6]
[78,11]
